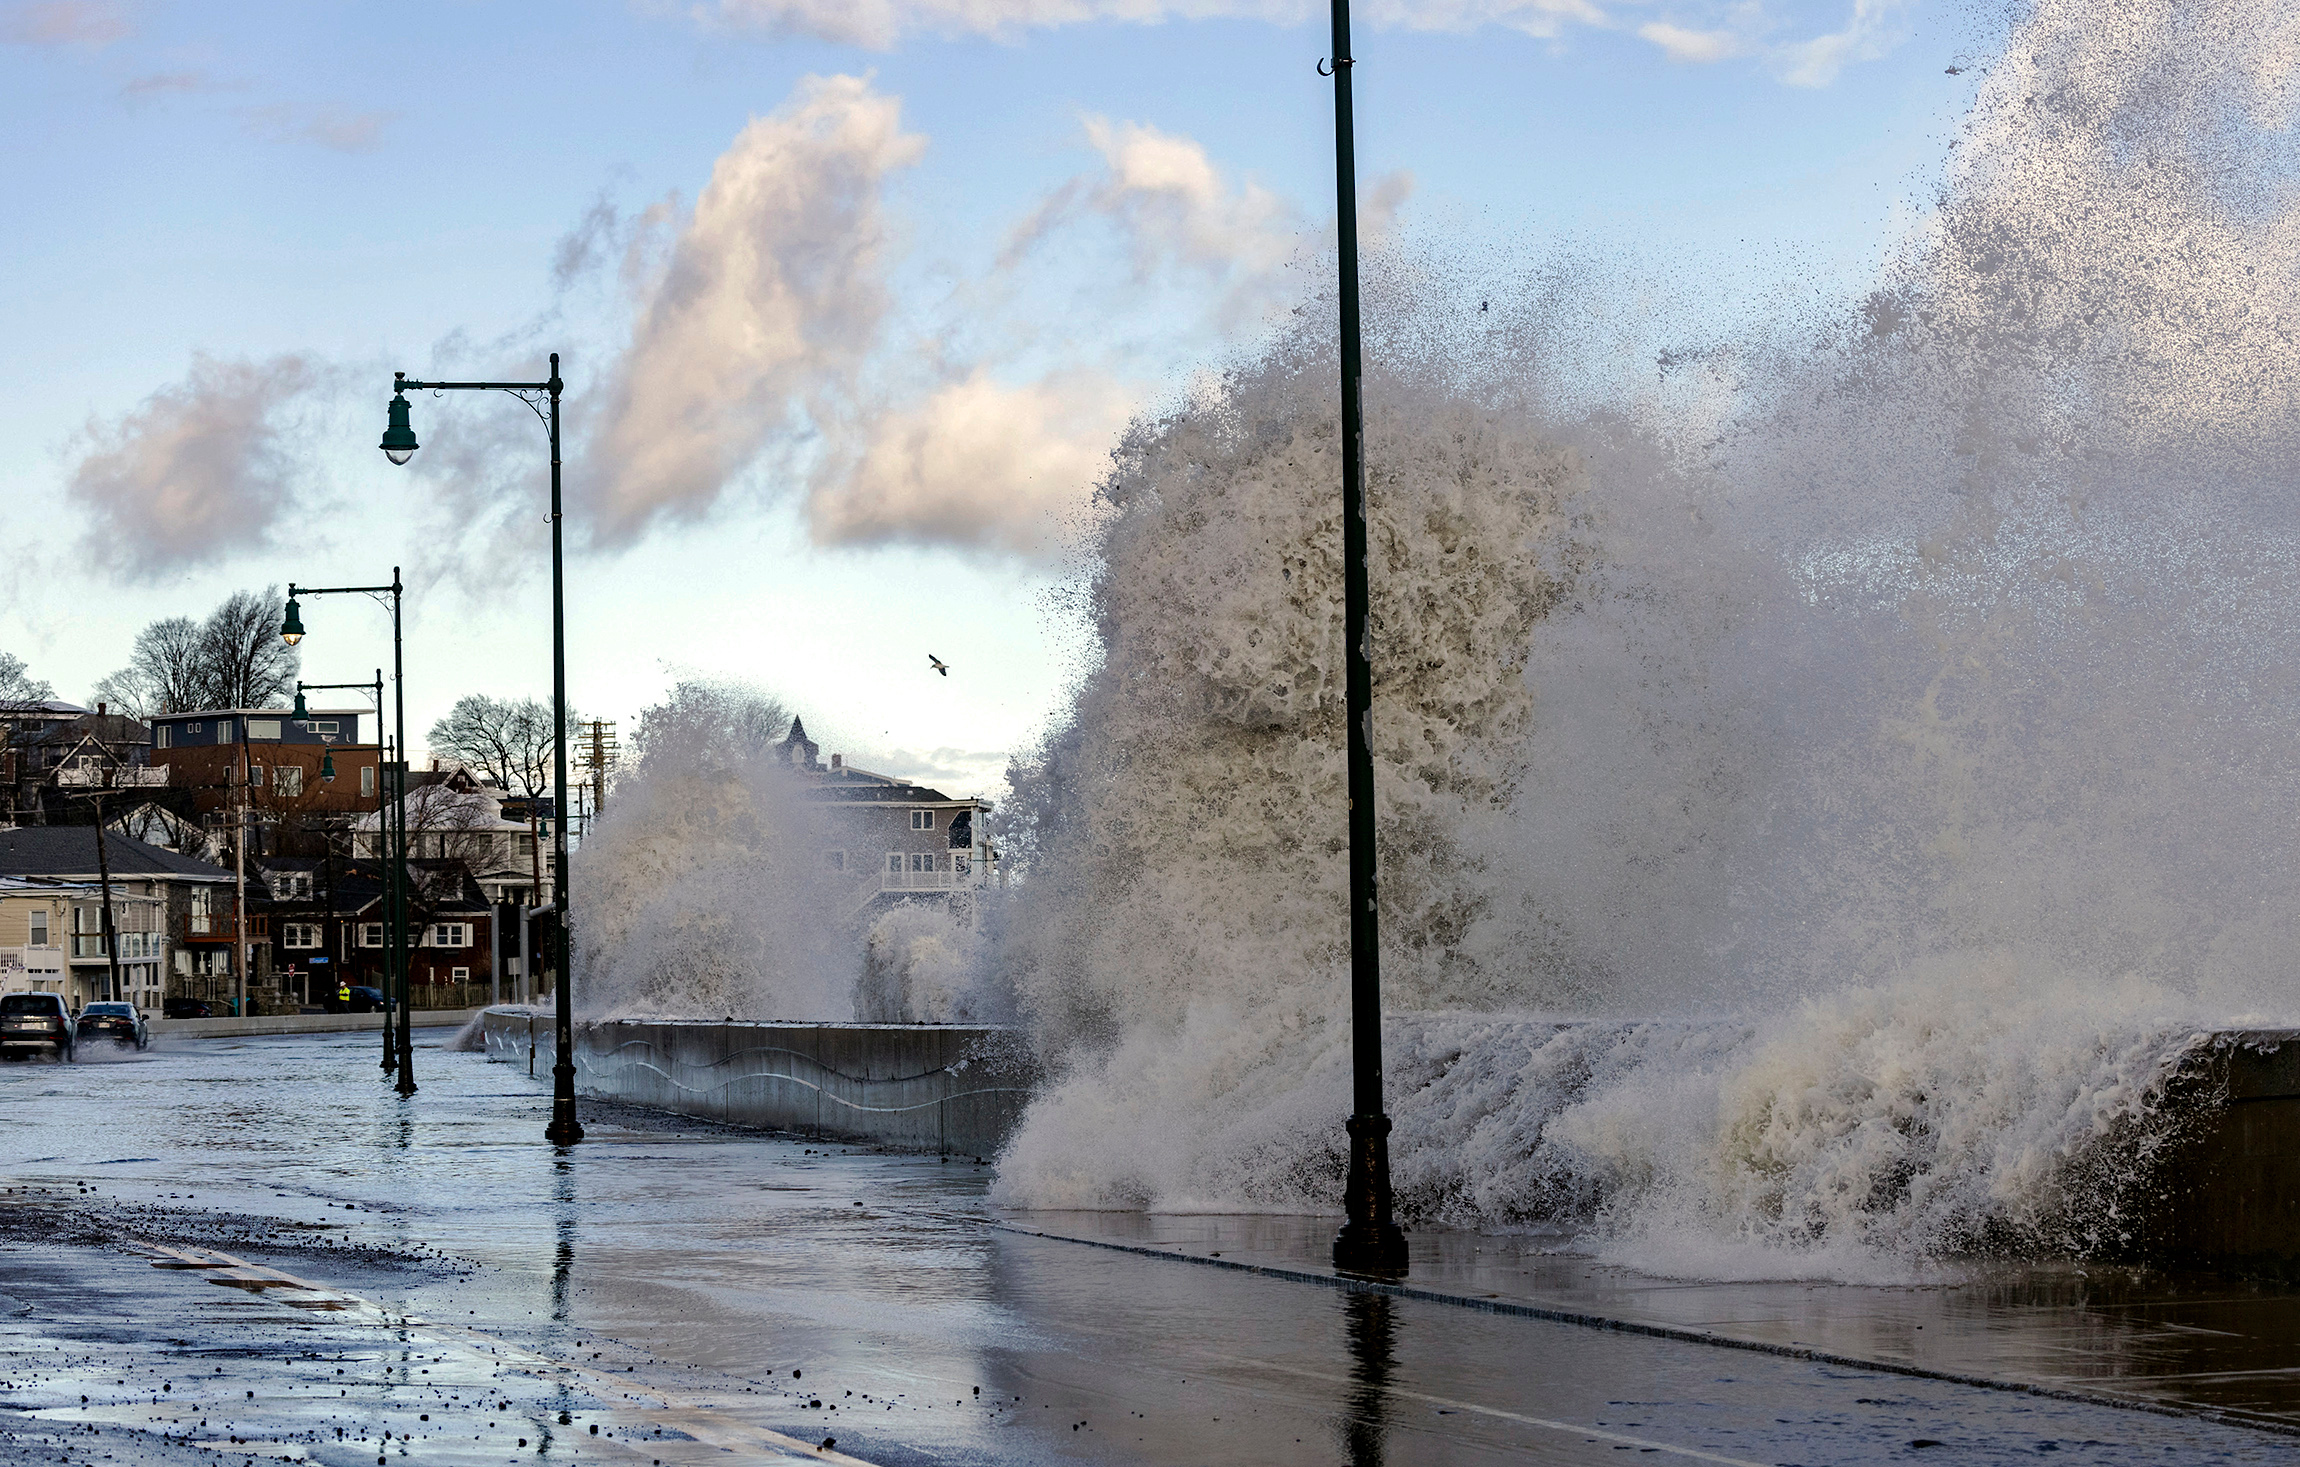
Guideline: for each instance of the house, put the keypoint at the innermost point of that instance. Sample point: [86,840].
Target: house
[171,913]
[53,767]
[309,768]
[453,817]
[899,841]
[325,917]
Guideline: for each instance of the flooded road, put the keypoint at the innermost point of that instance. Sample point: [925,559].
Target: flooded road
[243,1250]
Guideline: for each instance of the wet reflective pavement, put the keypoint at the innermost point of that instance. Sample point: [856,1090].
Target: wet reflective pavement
[241,1250]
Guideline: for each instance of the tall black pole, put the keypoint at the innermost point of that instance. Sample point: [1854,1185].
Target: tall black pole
[564,1129]
[104,875]
[1369,1242]
[406,958]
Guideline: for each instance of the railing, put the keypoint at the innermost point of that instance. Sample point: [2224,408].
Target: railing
[33,958]
[923,880]
[221,927]
[126,777]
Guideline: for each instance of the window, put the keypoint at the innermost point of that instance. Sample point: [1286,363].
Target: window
[299,935]
[160,733]
[287,780]
[894,862]
[324,726]
[922,820]
[39,929]
[459,975]
[264,728]
[367,781]
[921,861]
[371,934]
[447,934]
[256,776]
[961,862]
[291,886]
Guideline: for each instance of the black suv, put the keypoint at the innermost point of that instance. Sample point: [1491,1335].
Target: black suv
[122,1023]
[36,1021]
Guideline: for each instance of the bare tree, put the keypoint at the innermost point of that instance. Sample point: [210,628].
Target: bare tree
[163,671]
[509,742]
[17,685]
[243,662]
[710,725]
[234,659]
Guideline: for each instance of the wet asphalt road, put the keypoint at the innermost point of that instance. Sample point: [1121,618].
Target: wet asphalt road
[238,1251]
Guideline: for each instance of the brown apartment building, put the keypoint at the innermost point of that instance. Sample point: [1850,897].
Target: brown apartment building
[284,760]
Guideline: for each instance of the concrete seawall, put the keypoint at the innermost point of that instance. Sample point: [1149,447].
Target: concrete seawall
[228,1028]
[2226,1192]
[947,1088]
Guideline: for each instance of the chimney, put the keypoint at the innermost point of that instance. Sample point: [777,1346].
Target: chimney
[838,763]
[102,708]
[435,765]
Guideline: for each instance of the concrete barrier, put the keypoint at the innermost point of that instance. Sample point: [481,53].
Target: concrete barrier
[922,1087]
[2231,1188]
[229,1028]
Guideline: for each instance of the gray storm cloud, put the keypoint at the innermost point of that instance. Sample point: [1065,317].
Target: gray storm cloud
[197,472]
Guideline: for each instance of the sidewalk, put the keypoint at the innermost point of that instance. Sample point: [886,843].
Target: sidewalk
[2214,1346]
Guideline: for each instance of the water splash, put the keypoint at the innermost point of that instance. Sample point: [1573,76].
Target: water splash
[1872,730]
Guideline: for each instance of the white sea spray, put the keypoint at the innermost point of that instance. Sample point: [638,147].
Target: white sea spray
[1826,783]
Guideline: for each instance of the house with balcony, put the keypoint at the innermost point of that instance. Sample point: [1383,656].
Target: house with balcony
[897,841]
[164,910]
[57,768]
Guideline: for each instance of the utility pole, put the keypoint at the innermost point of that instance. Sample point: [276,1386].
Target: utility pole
[240,870]
[104,876]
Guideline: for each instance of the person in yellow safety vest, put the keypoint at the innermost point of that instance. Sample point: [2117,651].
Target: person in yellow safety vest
[343,993]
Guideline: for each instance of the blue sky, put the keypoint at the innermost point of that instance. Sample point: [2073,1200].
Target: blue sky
[933,285]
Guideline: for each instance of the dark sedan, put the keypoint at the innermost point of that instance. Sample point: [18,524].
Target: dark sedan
[363,1000]
[36,1021]
[187,1008]
[122,1023]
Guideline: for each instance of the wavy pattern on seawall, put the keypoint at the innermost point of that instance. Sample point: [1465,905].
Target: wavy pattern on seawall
[919,1087]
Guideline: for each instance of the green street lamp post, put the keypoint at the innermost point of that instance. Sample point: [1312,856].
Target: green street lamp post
[399,445]
[1369,1242]
[399,1048]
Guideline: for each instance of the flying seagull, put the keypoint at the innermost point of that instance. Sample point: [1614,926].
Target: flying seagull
[938,664]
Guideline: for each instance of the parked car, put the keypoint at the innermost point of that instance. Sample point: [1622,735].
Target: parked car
[366,1001]
[186,1008]
[122,1023]
[36,1021]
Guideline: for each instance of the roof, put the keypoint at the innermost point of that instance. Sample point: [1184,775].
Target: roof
[39,707]
[70,850]
[226,713]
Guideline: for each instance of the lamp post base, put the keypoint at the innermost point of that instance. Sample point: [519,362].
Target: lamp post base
[564,1129]
[1369,1243]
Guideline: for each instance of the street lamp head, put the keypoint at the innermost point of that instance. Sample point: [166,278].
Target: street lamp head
[301,712]
[327,767]
[291,627]
[399,437]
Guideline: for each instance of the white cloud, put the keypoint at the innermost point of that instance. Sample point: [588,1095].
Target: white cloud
[196,473]
[1692,46]
[880,24]
[93,23]
[979,465]
[1870,31]
[344,132]
[771,296]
